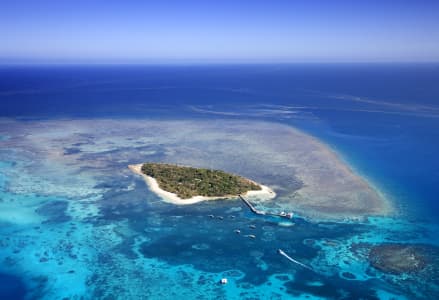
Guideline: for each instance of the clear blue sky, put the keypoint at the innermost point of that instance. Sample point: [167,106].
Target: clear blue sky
[218,31]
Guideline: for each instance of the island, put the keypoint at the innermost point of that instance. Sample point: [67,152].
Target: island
[187,185]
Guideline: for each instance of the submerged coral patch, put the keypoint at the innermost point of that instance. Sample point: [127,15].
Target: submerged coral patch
[402,258]
[307,176]
[54,211]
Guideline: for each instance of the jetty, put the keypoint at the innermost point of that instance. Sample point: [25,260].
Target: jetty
[264,213]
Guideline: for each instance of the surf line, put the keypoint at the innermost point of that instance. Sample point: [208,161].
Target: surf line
[293,260]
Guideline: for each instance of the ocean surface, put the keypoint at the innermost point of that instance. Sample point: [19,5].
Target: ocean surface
[94,231]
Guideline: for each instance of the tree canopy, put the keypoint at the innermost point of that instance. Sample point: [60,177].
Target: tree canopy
[188,182]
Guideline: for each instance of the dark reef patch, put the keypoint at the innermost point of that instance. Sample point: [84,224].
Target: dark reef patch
[12,287]
[119,205]
[330,287]
[402,258]
[348,275]
[54,211]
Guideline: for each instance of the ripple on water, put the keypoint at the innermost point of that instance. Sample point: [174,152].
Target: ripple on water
[256,254]
[268,235]
[201,246]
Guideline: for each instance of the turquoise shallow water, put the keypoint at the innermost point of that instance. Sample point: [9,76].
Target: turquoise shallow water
[92,229]
[74,222]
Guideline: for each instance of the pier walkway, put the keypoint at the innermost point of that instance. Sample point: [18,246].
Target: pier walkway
[264,213]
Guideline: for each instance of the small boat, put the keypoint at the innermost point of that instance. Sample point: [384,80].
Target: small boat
[286,215]
[211,216]
[252,236]
[223,281]
[252,226]
[237,231]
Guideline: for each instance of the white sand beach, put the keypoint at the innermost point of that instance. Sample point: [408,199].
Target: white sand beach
[264,194]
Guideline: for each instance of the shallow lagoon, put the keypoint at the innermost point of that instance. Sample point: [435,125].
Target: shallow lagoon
[78,223]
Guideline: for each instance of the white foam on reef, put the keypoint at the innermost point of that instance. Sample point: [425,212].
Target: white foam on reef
[265,193]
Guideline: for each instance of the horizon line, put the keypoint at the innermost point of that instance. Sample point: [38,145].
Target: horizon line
[202,63]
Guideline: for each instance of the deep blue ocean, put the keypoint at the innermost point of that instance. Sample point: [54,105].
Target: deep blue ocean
[382,119]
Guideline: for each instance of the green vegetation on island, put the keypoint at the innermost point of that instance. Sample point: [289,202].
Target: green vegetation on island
[187,182]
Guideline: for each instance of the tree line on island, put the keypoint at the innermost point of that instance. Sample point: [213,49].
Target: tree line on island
[187,182]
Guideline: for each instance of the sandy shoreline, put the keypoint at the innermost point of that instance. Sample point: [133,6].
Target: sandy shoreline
[266,193]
